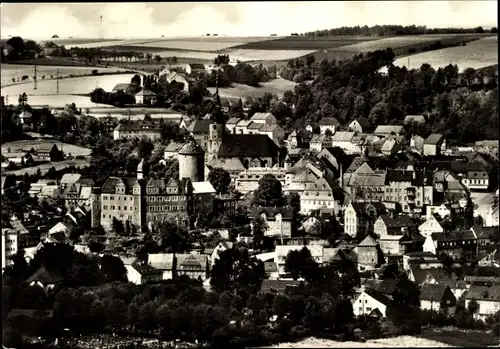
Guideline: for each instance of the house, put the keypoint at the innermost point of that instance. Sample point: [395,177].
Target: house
[311,225]
[417,143]
[277,286]
[196,266]
[248,180]
[371,303]
[320,194]
[10,246]
[252,150]
[226,206]
[145,97]
[61,227]
[319,253]
[318,142]
[396,225]
[412,119]
[390,147]
[46,152]
[194,68]
[360,216]
[271,270]
[487,298]
[457,244]
[25,117]
[141,273]
[491,218]
[171,150]
[384,131]
[471,280]
[434,145]
[368,253]
[232,165]
[45,278]
[436,297]
[328,124]
[279,220]
[231,124]
[361,125]
[293,140]
[264,119]
[176,78]
[68,178]
[412,188]
[433,224]
[491,259]
[345,141]
[422,260]
[163,262]
[137,129]
[200,130]
[129,88]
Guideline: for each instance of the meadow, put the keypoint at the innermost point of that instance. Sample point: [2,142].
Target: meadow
[304,43]
[18,146]
[17,71]
[268,55]
[44,168]
[476,54]
[77,85]
[394,42]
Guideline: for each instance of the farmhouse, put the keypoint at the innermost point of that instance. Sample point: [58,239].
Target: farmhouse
[46,152]
[371,303]
[145,97]
[131,89]
[194,68]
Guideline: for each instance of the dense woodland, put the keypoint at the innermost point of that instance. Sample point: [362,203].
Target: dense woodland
[395,30]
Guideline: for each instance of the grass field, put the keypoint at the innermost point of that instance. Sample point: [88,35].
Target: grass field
[18,146]
[77,41]
[476,54]
[268,55]
[304,43]
[461,338]
[276,86]
[17,71]
[394,42]
[77,85]
[59,165]
[189,45]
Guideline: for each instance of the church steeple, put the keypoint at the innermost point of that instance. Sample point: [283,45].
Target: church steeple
[217,114]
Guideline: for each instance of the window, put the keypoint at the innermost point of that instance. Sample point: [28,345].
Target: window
[105,207]
[366,301]
[125,208]
[118,208]
[368,309]
[111,197]
[112,207]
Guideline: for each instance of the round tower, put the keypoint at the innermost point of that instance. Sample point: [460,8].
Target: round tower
[192,162]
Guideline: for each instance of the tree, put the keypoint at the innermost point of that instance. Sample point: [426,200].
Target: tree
[494,30]
[269,193]
[301,264]
[259,227]
[112,269]
[136,79]
[149,56]
[158,59]
[220,179]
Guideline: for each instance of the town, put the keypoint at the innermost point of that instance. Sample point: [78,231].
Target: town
[330,211]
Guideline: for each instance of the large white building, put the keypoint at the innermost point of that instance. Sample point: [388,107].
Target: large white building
[10,246]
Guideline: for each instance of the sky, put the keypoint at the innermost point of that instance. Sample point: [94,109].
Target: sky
[150,20]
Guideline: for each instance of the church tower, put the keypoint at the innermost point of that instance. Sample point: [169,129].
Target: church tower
[217,127]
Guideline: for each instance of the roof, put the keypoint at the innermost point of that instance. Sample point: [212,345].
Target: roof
[270,267]
[231,164]
[370,180]
[483,293]
[261,116]
[161,261]
[110,184]
[328,121]
[343,136]
[145,93]
[485,232]
[253,146]
[268,128]
[127,87]
[388,145]
[363,122]
[191,261]
[200,126]
[45,276]
[433,139]
[145,269]
[271,212]
[388,129]
[203,188]
[432,292]
[137,126]
[197,66]
[368,241]
[277,285]
[232,121]
[191,148]
[397,222]
[173,147]
[254,126]
[464,234]
[414,118]
[378,297]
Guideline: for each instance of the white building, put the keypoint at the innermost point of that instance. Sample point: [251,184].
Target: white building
[10,246]
[317,196]
[319,253]
[248,180]
[431,225]
[371,303]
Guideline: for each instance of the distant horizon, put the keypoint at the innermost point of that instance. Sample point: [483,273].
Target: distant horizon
[233,19]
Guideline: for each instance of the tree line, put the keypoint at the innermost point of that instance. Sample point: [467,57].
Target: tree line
[17,49]
[394,30]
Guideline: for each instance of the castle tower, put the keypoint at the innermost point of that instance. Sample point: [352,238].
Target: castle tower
[192,162]
[218,126]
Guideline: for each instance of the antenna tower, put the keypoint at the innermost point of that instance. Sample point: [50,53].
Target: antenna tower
[35,78]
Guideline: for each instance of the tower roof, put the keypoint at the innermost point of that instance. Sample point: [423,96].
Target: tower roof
[191,148]
[140,167]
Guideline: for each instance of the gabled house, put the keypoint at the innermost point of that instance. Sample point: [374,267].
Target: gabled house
[417,143]
[371,303]
[360,216]
[318,142]
[345,141]
[422,260]
[320,194]
[488,299]
[45,278]
[457,244]
[384,131]
[221,246]
[433,224]
[396,225]
[434,145]
[293,140]
[195,68]
[163,262]
[436,297]
[141,273]
[328,123]
[411,119]
[361,125]
[368,253]
[196,266]
[279,220]
[390,147]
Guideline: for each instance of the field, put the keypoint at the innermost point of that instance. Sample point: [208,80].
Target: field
[461,338]
[78,41]
[399,342]
[59,165]
[77,85]
[476,54]
[17,146]
[276,86]
[305,43]
[16,71]
[394,42]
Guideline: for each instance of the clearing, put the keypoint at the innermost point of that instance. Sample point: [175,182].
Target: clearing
[18,146]
[58,165]
[305,43]
[399,342]
[276,87]
[476,54]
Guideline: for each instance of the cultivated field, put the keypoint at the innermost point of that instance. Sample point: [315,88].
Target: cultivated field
[189,45]
[476,54]
[59,165]
[77,85]
[18,146]
[461,338]
[276,87]
[395,42]
[17,71]
[77,41]
[267,55]
[305,43]
[399,342]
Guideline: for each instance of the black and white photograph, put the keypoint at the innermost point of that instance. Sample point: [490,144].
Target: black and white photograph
[254,174]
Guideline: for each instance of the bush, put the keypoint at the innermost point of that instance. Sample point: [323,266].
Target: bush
[94,72]
[11,337]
